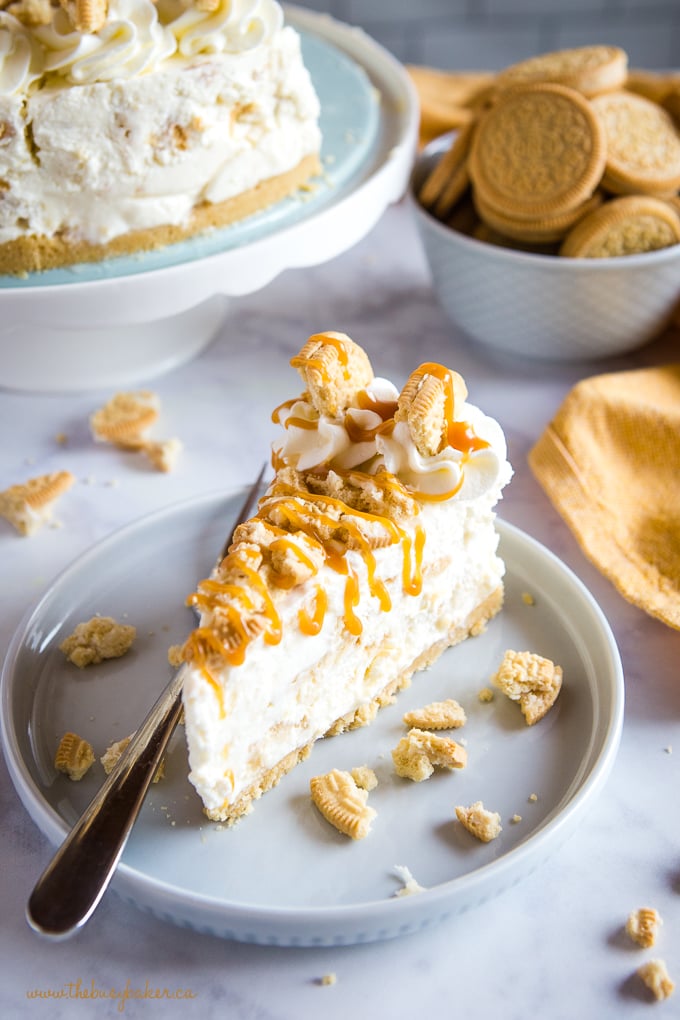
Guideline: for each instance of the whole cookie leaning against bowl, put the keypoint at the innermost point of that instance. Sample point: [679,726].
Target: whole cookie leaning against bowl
[588,69]
[624,226]
[539,151]
[643,145]
[450,177]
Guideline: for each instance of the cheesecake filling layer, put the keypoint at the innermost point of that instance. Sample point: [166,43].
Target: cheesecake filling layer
[372,551]
[133,126]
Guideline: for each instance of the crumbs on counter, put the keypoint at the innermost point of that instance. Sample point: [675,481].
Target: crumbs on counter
[30,504]
[655,976]
[124,422]
[97,639]
[642,926]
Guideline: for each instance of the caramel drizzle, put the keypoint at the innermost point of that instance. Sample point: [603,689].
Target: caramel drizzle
[460,435]
[285,406]
[384,408]
[199,643]
[336,559]
[211,593]
[352,621]
[413,564]
[286,543]
[312,624]
[316,364]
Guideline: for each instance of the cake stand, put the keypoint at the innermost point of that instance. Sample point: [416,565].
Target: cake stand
[117,322]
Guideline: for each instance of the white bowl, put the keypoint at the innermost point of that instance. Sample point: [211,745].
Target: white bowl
[544,306]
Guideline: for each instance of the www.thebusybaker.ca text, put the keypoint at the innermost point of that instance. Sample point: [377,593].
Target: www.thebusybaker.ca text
[89,991]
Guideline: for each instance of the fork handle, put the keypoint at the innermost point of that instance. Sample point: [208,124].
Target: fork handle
[68,891]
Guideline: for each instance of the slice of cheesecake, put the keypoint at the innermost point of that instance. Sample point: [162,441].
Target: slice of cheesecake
[372,551]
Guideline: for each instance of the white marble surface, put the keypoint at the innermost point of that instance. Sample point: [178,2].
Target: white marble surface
[552,945]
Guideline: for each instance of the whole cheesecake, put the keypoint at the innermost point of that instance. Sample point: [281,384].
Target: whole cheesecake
[129,125]
[373,550]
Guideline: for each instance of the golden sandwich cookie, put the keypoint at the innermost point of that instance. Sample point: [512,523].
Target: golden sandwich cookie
[588,69]
[624,226]
[643,145]
[543,230]
[539,151]
[447,182]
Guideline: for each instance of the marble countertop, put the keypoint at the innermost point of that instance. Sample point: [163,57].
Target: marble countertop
[552,945]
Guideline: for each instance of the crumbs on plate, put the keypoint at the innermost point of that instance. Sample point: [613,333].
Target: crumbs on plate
[97,639]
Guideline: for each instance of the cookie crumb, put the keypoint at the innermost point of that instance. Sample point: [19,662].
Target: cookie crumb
[419,752]
[29,505]
[410,886]
[656,977]
[175,657]
[438,715]
[642,926]
[74,756]
[97,639]
[364,777]
[516,819]
[532,798]
[485,695]
[484,825]
[528,598]
[342,803]
[329,979]
[531,680]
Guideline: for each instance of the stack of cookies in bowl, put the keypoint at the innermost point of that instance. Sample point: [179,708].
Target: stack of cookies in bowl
[565,159]
[551,218]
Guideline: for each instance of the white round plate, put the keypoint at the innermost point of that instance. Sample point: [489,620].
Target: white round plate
[114,322]
[283,875]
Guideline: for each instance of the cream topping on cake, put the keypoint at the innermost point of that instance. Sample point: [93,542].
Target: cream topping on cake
[348,578]
[337,501]
[232,27]
[163,108]
[21,59]
[136,37]
[468,461]
[132,42]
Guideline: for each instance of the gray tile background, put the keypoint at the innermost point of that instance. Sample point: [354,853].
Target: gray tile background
[489,34]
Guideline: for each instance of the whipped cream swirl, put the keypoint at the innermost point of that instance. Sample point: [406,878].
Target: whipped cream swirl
[20,59]
[355,440]
[234,27]
[450,473]
[131,42]
[312,440]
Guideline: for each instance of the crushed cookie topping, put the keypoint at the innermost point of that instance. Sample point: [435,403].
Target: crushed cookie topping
[322,516]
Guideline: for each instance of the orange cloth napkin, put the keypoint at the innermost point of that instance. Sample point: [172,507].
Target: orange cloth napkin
[610,463]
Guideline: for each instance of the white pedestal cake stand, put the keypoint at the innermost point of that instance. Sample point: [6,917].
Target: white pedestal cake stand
[125,320]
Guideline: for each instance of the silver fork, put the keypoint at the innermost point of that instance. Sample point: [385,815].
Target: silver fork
[69,890]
